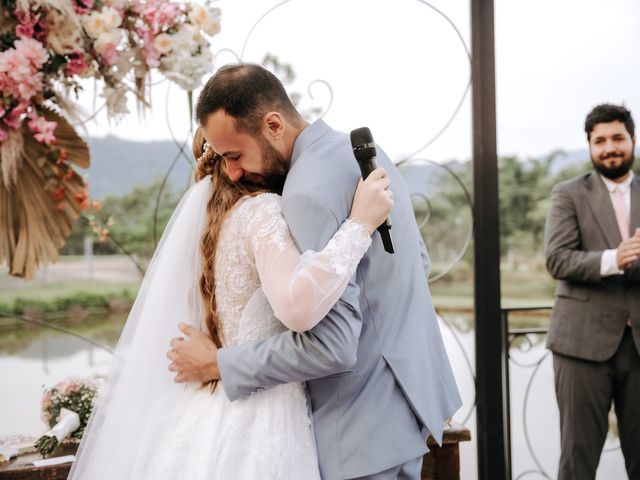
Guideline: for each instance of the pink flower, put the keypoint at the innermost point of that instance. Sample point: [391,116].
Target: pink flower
[20,74]
[42,129]
[152,55]
[167,13]
[24,30]
[33,50]
[22,16]
[13,119]
[109,54]
[31,86]
[3,135]
[76,65]
[158,13]
[47,138]
[15,67]
[72,387]
[2,110]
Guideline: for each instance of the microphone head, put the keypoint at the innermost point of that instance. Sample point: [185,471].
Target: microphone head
[362,144]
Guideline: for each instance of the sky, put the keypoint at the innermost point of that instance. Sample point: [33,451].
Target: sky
[401,69]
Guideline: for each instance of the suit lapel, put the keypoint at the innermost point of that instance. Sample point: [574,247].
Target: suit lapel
[602,209]
[635,204]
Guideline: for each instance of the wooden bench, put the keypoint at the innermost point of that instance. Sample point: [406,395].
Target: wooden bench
[441,463]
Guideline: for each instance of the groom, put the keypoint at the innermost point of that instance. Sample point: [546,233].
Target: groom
[377,373]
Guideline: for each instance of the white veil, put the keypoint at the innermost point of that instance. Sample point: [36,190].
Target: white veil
[169,294]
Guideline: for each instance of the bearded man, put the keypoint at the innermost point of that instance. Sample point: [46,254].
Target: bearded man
[592,246]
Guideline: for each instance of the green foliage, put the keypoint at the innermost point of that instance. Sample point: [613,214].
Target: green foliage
[7,40]
[524,197]
[61,304]
[130,220]
[83,299]
[7,5]
[133,217]
[46,445]
[20,305]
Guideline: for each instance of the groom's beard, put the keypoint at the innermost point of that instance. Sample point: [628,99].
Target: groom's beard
[276,167]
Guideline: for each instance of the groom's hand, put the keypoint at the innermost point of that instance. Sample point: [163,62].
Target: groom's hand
[194,359]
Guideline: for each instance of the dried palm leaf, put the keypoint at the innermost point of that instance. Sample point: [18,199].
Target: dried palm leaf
[11,153]
[33,227]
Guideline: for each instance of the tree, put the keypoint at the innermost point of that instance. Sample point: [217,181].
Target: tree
[129,220]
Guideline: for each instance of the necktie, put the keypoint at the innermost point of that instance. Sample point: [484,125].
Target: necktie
[622,214]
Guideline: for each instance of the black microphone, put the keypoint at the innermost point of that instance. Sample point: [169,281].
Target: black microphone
[365,152]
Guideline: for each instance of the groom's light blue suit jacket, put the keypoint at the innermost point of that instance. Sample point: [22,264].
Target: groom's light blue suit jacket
[377,373]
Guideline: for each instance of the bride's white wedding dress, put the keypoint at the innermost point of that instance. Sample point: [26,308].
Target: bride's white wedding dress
[186,432]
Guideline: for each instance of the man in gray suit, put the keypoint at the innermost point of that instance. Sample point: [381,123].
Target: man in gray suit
[377,373]
[592,245]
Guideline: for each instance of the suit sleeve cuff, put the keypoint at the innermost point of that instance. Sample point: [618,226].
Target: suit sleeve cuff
[225,360]
[609,263]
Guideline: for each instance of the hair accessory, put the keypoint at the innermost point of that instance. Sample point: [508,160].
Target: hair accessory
[206,147]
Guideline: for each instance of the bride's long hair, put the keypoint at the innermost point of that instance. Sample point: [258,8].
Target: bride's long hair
[224,196]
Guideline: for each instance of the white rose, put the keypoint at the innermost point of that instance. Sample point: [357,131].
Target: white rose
[94,24]
[111,18]
[107,39]
[187,70]
[198,15]
[212,26]
[163,43]
[187,38]
[63,36]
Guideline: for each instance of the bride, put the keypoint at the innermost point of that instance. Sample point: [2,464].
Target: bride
[226,265]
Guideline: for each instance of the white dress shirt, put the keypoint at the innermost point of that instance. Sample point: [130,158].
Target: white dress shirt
[608,261]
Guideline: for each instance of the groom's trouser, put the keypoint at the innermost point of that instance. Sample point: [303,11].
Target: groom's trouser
[407,471]
[585,391]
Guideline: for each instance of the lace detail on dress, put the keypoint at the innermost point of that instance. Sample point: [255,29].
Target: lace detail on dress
[245,314]
[256,245]
[267,221]
[347,247]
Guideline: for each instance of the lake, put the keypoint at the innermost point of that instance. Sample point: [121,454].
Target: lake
[34,357]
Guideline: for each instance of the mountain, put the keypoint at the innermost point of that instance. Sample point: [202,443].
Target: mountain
[565,160]
[117,165]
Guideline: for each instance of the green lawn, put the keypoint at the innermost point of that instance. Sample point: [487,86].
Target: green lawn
[452,293]
[49,292]
[519,288]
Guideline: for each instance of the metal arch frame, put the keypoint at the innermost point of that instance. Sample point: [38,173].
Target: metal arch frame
[513,335]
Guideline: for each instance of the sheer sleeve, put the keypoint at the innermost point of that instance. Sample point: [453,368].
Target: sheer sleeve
[301,288]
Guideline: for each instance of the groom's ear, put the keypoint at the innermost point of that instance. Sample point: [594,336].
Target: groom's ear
[273,126]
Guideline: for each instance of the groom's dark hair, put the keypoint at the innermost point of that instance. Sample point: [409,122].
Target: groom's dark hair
[246,92]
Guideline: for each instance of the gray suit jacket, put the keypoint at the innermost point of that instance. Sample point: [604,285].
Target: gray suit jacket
[377,372]
[591,311]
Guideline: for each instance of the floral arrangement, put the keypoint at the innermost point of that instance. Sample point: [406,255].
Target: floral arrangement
[66,409]
[46,48]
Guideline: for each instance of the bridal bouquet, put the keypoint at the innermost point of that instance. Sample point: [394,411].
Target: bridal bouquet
[46,48]
[66,408]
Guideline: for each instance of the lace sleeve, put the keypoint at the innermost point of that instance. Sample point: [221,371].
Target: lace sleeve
[301,288]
